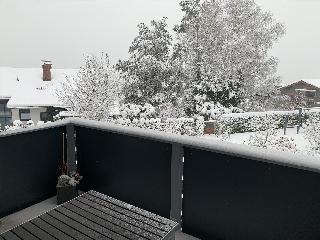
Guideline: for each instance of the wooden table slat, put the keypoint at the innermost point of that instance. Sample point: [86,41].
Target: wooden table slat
[51,230]
[70,217]
[94,216]
[125,212]
[72,230]
[120,219]
[10,236]
[23,234]
[96,222]
[133,208]
[39,233]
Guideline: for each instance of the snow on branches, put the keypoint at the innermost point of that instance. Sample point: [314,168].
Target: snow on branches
[147,71]
[226,45]
[94,91]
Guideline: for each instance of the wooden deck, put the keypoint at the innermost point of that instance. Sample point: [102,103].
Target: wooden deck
[94,216]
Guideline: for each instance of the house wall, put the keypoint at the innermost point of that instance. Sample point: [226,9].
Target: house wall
[34,113]
[5,114]
[15,114]
[291,91]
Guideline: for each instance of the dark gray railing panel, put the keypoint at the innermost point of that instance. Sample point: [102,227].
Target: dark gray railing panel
[71,148]
[176,182]
[29,168]
[134,170]
[227,197]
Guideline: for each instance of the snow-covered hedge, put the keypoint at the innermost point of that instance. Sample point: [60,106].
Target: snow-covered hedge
[256,121]
[182,126]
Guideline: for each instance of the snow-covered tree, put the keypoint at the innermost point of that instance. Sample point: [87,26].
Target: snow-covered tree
[226,45]
[152,74]
[147,68]
[95,91]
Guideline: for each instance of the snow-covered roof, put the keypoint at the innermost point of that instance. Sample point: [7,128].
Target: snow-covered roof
[314,82]
[25,87]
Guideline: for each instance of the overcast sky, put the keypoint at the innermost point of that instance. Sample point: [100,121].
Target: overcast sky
[62,30]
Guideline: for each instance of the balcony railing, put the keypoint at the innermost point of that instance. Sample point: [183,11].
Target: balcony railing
[217,190]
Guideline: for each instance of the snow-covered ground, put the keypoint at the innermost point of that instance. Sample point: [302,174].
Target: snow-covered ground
[299,139]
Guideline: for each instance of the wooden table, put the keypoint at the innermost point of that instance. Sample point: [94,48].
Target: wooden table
[95,216]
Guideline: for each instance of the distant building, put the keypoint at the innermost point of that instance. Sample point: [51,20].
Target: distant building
[308,88]
[30,93]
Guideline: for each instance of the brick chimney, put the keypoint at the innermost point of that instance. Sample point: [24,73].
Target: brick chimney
[46,67]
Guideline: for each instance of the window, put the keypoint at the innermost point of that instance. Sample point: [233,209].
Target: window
[5,114]
[310,93]
[24,114]
[44,116]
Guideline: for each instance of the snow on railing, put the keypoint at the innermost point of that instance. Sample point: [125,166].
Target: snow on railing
[265,155]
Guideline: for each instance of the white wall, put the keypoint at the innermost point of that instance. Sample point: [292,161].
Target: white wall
[34,113]
[15,114]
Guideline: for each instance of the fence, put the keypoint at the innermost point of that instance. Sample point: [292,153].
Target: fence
[29,168]
[229,191]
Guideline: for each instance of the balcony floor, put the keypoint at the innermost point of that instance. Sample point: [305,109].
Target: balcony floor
[25,215]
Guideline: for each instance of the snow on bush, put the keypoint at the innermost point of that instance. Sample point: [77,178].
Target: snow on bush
[135,111]
[268,137]
[312,134]
[210,110]
[17,124]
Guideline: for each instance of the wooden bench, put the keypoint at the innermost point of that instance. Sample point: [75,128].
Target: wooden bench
[93,215]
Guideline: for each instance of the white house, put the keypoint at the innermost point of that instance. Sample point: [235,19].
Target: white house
[30,93]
